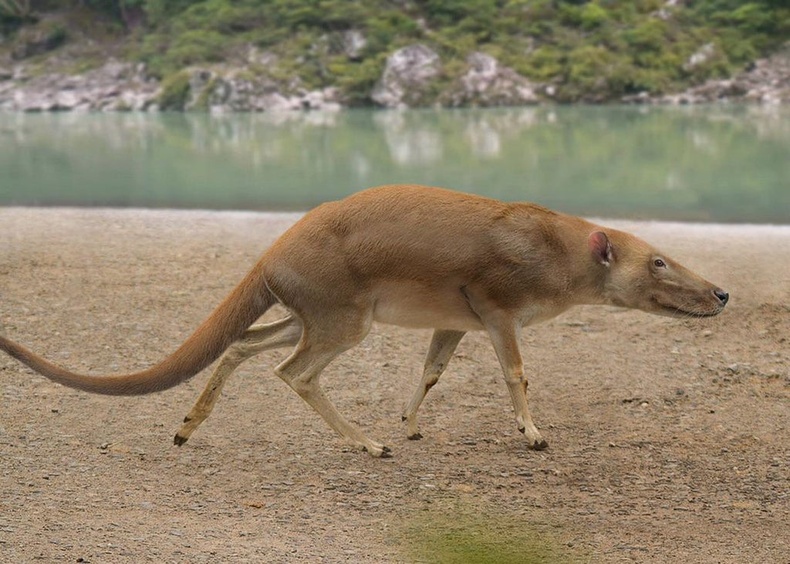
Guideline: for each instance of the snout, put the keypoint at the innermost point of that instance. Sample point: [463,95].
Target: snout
[722,296]
[676,301]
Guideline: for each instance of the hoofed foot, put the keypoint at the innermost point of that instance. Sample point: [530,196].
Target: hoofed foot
[539,445]
[191,422]
[412,431]
[535,441]
[379,452]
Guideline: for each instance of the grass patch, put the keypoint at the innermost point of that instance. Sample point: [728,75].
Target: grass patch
[464,536]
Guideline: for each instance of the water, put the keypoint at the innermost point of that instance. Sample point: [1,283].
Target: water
[723,164]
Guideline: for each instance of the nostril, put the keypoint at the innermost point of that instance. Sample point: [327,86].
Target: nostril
[722,295]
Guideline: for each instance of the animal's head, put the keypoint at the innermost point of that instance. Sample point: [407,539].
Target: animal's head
[638,276]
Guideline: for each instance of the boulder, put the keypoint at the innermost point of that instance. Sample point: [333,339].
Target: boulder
[353,44]
[487,83]
[700,57]
[28,101]
[407,76]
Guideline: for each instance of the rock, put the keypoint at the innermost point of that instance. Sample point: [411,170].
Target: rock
[263,58]
[66,100]
[353,44]
[113,86]
[239,90]
[407,75]
[700,57]
[20,73]
[487,83]
[32,102]
[327,99]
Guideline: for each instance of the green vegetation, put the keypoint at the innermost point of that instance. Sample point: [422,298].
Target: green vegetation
[593,50]
[461,538]
[175,91]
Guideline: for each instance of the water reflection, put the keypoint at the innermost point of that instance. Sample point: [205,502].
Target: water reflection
[409,142]
[705,163]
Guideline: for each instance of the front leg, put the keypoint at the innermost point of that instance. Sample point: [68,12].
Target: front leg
[504,335]
[505,330]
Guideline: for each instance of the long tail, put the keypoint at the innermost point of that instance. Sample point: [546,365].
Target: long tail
[248,301]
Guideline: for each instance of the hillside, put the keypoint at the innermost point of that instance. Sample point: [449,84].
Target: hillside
[178,54]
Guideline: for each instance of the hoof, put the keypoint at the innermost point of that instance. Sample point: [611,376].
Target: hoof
[414,437]
[539,445]
[386,452]
[178,440]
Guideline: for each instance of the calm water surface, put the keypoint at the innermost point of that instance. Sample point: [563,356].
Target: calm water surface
[726,164]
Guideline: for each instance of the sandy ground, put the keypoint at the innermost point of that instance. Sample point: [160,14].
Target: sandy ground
[669,440]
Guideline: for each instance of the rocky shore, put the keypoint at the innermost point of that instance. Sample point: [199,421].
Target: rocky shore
[767,81]
[413,76]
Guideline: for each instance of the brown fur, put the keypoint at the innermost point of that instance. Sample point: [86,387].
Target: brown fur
[417,257]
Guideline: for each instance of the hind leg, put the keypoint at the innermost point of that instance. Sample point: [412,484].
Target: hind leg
[258,338]
[302,371]
[443,344]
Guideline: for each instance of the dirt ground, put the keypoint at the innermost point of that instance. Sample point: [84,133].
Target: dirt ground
[669,439]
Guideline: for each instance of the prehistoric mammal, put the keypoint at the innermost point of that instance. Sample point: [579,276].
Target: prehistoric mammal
[417,257]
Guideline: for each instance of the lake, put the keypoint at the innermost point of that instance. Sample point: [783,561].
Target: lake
[709,164]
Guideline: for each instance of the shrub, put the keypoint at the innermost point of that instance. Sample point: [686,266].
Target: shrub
[196,46]
[588,71]
[592,15]
[175,91]
[356,80]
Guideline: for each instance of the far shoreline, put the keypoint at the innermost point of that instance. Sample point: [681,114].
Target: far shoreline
[659,225]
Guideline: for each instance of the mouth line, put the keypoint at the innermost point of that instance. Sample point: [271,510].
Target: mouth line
[678,312]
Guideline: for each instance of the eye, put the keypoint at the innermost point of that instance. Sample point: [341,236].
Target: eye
[659,263]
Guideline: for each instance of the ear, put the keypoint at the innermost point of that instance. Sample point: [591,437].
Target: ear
[601,248]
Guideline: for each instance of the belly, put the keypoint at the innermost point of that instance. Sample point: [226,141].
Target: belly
[411,304]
